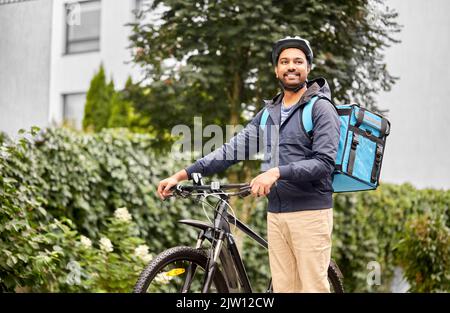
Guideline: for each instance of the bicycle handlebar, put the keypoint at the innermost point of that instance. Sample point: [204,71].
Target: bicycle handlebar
[214,187]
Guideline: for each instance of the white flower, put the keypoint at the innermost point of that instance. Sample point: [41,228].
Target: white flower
[57,248]
[106,245]
[85,241]
[142,253]
[73,278]
[163,278]
[122,214]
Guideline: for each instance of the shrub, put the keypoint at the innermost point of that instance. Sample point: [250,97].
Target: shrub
[114,263]
[60,176]
[368,226]
[423,252]
[53,257]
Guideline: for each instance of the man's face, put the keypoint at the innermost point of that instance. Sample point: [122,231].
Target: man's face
[292,68]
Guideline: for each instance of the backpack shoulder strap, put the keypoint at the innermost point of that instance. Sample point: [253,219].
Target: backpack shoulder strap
[307,115]
[265,113]
[307,119]
[264,117]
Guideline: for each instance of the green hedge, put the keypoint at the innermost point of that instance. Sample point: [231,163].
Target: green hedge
[370,226]
[60,189]
[59,176]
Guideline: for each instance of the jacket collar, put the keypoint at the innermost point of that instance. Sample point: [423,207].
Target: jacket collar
[274,104]
[313,90]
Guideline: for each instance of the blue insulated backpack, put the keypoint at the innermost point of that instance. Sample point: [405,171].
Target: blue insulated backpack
[361,145]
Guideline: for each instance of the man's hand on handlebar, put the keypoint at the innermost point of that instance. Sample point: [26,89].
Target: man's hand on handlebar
[166,184]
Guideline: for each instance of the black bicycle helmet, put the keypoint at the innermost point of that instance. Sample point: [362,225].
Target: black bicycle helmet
[292,42]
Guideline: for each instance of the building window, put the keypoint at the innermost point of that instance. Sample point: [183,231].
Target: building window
[83,26]
[73,109]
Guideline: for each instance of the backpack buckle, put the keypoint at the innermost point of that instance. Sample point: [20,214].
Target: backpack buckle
[355,141]
[378,154]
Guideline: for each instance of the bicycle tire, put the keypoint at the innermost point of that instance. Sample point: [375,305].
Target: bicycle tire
[176,254]
[335,278]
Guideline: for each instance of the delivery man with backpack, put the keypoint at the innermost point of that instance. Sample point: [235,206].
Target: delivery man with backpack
[297,170]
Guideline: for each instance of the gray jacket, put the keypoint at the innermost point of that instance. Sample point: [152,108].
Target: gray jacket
[306,161]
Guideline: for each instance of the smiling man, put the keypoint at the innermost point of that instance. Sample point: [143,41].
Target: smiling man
[300,216]
[298,180]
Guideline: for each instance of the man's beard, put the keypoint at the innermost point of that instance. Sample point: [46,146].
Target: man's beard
[292,88]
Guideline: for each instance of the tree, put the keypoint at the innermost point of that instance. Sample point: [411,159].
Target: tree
[4,137]
[107,108]
[211,58]
[137,101]
[120,112]
[97,110]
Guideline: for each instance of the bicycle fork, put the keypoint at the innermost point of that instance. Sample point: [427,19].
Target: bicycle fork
[212,263]
[192,267]
[210,268]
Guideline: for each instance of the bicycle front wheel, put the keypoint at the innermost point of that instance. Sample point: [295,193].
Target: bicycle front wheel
[335,278]
[178,269]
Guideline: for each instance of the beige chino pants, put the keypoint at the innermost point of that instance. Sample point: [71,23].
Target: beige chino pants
[300,250]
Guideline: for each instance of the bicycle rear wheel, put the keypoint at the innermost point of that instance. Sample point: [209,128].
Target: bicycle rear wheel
[335,278]
[172,269]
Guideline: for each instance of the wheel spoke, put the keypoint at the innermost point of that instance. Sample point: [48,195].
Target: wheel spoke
[189,276]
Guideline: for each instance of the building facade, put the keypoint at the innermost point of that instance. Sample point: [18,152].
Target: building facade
[87,34]
[25,41]
[49,52]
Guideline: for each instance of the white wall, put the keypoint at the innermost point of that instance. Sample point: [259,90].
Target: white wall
[72,73]
[418,149]
[25,31]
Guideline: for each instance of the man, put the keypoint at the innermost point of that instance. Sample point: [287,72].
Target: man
[297,178]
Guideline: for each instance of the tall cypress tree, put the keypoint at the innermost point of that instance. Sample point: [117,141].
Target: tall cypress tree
[99,98]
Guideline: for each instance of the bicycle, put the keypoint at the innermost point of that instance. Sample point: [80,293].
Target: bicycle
[223,271]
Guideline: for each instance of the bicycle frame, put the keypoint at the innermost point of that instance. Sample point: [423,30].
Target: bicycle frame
[220,234]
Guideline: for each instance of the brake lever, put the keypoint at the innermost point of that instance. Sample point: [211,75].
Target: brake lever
[180,192]
[166,198]
[246,191]
[176,191]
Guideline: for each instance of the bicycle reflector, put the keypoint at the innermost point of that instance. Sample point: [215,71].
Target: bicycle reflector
[175,272]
